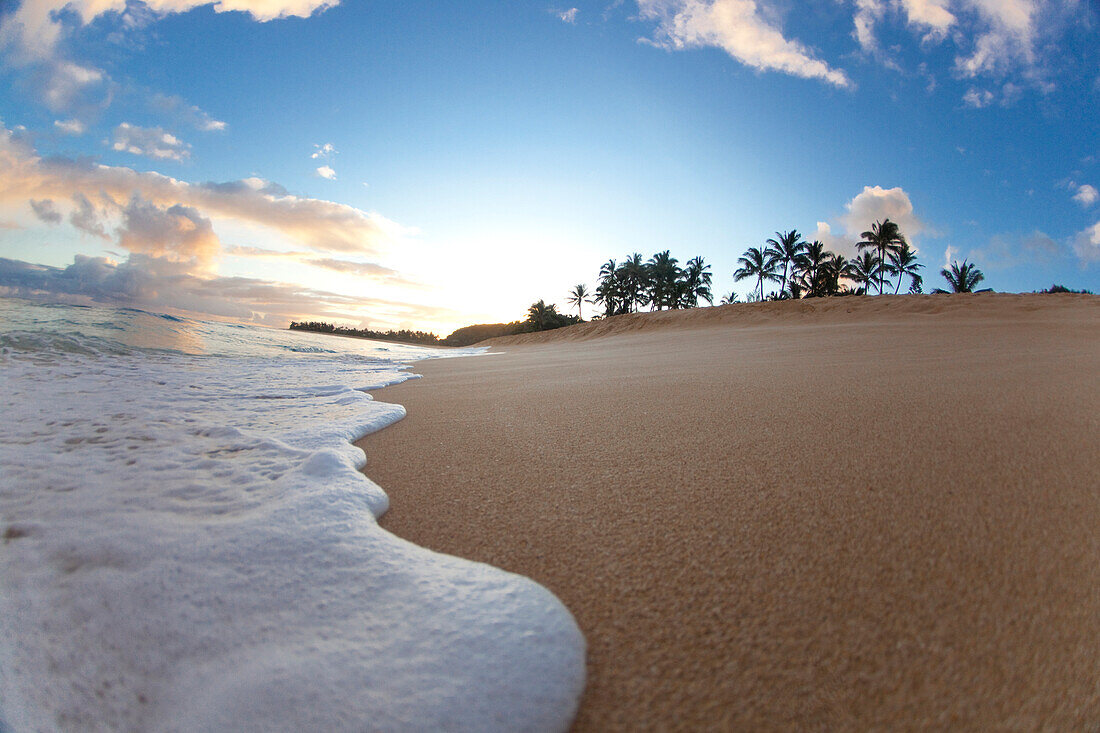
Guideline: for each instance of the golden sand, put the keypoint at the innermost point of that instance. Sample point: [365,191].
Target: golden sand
[835,514]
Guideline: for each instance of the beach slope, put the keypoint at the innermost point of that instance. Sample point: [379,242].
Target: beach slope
[848,513]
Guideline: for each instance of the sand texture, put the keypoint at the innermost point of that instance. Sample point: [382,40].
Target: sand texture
[847,514]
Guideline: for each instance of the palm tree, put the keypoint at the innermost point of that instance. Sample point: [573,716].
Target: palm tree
[962,278]
[609,292]
[903,261]
[731,298]
[864,270]
[540,314]
[784,250]
[578,296]
[697,279]
[663,274]
[756,263]
[836,267]
[812,269]
[634,278]
[883,237]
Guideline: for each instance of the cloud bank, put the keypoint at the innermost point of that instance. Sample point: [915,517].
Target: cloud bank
[161,284]
[319,225]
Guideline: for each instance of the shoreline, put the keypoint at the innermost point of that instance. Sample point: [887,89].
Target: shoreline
[878,513]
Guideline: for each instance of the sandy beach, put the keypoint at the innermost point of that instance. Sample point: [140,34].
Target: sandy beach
[848,513]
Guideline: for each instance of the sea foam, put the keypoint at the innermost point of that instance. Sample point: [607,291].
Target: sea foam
[189,544]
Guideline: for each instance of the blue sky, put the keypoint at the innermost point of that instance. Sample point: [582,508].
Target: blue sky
[428,165]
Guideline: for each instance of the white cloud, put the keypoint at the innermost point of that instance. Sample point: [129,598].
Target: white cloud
[33,37]
[326,172]
[152,142]
[1007,38]
[37,26]
[738,27]
[69,127]
[1086,195]
[868,13]
[323,152]
[64,85]
[875,203]
[872,204]
[978,98]
[833,242]
[949,254]
[930,15]
[1087,244]
[1004,251]
[185,113]
[568,16]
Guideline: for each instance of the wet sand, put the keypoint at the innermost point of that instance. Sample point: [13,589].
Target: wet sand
[842,514]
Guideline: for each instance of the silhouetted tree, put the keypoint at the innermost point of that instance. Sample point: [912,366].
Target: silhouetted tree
[784,250]
[578,296]
[540,314]
[812,269]
[882,238]
[961,277]
[662,275]
[864,270]
[903,261]
[635,282]
[836,267]
[697,281]
[755,263]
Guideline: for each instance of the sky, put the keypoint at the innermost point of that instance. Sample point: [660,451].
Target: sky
[429,165]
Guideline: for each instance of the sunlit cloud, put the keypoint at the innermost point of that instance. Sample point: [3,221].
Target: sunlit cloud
[327,172]
[178,234]
[69,127]
[742,30]
[875,203]
[323,226]
[151,142]
[368,270]
[872,204]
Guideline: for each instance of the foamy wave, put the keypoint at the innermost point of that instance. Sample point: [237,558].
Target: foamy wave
[189,544]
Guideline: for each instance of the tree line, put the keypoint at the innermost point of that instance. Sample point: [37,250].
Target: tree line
[404,335]
[801,269]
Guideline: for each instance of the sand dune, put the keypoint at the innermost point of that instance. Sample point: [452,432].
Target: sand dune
[835,514]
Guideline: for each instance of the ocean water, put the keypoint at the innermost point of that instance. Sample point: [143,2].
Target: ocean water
[189,544]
